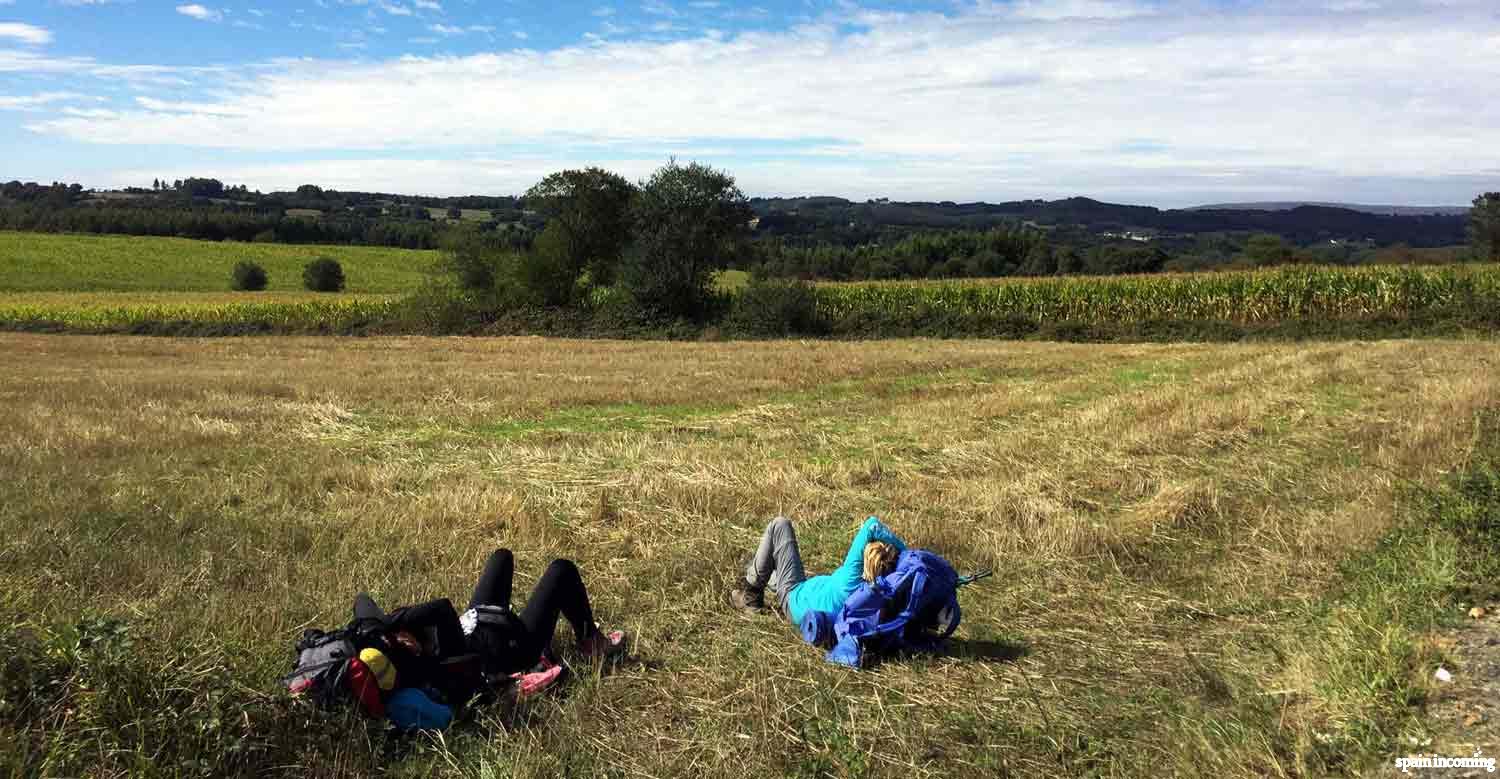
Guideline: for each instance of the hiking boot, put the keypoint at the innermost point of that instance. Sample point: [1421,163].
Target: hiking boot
[603,644]
[748,599]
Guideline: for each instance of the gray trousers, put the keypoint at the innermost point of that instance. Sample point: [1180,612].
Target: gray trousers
[777,564]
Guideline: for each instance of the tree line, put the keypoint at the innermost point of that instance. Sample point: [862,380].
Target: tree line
[840,221]
[1000,251]
[212,223]
[805,238]
[207,209]
[1015,249]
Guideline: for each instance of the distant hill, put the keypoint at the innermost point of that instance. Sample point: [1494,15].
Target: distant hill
[1302,223]
[1368,209]
[207,208]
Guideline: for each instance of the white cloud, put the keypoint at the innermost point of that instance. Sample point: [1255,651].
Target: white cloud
[90,113]
[427,5]
[658,8]
[1055,10]
[28,34]
[991,101]
[448,29]
[35,102]
[200,13]
[182,107]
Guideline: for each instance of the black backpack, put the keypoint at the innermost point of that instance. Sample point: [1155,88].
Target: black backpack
[323,662]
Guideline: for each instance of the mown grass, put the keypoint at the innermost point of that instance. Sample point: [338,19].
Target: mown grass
[43,262]
[1204,566]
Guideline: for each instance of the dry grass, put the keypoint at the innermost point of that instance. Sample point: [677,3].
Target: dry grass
[1156,515]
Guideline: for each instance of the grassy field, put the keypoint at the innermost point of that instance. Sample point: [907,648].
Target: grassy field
[1209,560]
[41,262]
[467,215]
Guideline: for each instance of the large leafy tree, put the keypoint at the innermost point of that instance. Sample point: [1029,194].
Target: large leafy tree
[690,220]
[588,221]
[1484,226]
[1267,249]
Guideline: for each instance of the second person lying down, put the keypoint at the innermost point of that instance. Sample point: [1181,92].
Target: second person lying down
[776,570]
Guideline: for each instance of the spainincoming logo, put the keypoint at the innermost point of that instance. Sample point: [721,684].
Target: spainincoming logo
[1405,764]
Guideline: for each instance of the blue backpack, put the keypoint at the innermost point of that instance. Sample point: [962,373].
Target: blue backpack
[913,608]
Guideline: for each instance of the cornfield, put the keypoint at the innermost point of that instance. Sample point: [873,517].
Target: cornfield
[1282,294]
[105,311]
[1257,297]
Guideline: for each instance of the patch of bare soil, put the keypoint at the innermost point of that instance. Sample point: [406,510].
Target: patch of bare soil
[1465,712]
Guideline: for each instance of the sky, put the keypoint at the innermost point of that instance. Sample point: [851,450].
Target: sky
[1161,102]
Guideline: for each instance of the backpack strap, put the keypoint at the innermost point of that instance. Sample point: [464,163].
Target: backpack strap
[496,616]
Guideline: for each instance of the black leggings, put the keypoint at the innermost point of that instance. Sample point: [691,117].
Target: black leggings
[560,592]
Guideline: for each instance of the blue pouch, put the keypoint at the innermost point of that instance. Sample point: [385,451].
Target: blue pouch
[411,709]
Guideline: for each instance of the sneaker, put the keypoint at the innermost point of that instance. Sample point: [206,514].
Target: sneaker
[529,684]
[743,597]
[603,644]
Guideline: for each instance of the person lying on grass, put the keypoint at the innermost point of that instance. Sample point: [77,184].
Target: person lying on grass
[777,566]
[424,642]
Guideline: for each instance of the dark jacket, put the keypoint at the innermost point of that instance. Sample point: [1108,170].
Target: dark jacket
[441,666]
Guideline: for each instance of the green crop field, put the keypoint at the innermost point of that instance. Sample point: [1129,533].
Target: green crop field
[1275,295]
[1225,561]
[40,262]
[94,311]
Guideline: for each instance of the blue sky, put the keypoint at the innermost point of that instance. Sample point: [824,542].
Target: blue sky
[1167,102]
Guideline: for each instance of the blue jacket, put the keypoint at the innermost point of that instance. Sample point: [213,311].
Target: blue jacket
[828,592]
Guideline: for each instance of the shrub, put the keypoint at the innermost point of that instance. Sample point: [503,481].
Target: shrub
[323,274]
[546,274]
[472,259]
[775,308]
[441,307]
[248,277]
